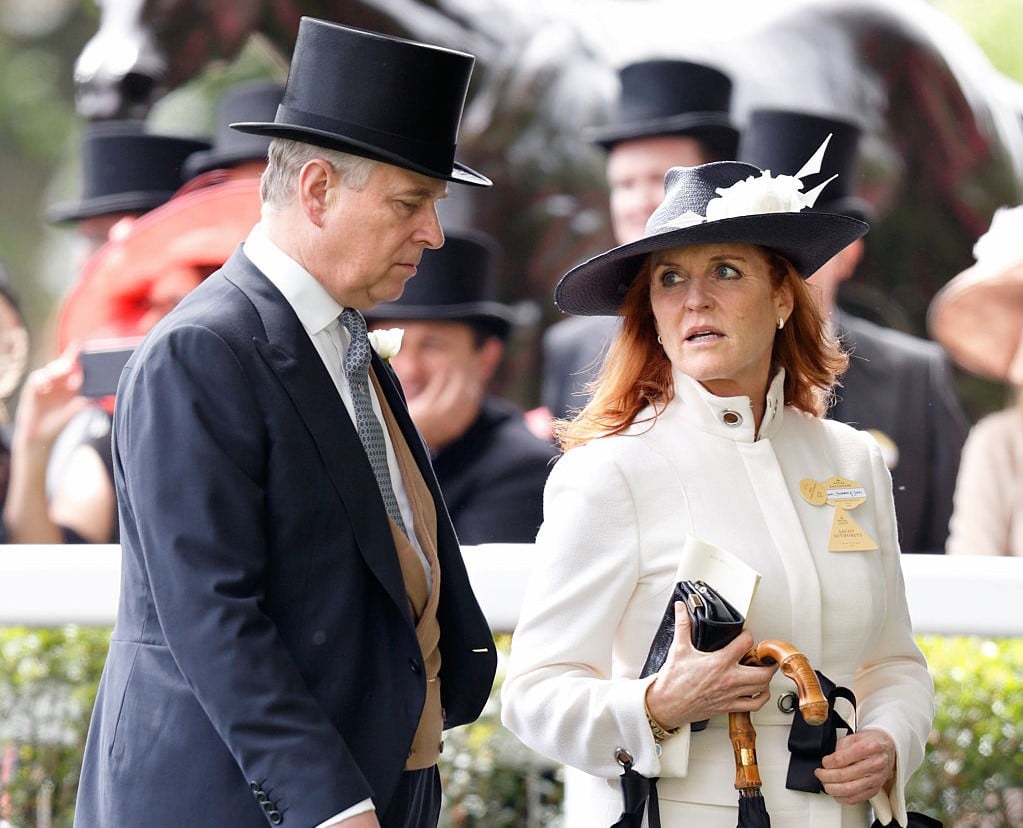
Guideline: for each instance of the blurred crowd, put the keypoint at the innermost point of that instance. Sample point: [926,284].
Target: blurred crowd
[157,213]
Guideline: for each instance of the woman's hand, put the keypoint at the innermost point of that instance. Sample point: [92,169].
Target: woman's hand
[693,685]
[863,763]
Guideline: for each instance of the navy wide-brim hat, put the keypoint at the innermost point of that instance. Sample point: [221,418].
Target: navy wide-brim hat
[672,97]
[126,170]
[256,100]
[806,238]
[454,283]
[377,96]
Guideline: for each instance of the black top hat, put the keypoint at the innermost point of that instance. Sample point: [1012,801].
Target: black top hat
[806,238]
[382,97]
[126,170]
[250,101]
[781,141]
[455,283]
[672,97]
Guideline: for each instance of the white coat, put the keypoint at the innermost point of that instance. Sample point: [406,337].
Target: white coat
[616,513]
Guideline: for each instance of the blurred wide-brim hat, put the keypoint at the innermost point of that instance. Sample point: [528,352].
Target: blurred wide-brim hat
[126,170]
[381,97]
[806,238]
[254,101]
[671,97]
[978,315]
[781,140]
[198,229]
[454,283]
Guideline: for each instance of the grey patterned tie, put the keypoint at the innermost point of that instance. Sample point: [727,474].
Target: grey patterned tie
[370,431]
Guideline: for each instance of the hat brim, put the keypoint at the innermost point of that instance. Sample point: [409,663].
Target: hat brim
[494,315]
[978,318]
[459,173]
[137,202]
[200,228]
[807,239]
[715,126]
[201,162]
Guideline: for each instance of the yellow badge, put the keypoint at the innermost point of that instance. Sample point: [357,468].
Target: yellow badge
[844,495]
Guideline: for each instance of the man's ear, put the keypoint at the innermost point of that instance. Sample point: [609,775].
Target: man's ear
[316,181]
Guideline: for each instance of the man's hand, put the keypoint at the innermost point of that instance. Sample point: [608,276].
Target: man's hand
[446,407]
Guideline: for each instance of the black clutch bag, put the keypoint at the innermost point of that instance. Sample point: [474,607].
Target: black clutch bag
[714,623]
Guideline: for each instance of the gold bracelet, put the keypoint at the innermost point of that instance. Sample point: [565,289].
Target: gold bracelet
[660,732]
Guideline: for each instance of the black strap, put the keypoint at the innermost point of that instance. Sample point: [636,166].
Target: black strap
[809,744]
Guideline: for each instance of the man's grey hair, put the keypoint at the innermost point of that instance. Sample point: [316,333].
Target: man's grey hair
[286,159]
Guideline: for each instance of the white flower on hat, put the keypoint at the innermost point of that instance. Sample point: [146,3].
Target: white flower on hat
[386,341]
[761,194]
[1002,244]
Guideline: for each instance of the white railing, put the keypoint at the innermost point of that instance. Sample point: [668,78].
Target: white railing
[53,585]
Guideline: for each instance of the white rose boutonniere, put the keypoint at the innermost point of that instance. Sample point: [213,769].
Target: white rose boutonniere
[386,342]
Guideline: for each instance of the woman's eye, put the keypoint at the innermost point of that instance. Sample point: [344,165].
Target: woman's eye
[726,271]
[670,277]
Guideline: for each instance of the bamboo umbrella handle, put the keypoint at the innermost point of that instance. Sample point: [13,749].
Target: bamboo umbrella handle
[812,703]
[744,742]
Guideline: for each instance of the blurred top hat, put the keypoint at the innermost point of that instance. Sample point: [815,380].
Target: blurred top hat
[978,315]
[126,170]
[781,140]
[672,97]
[455,283]
[381,97]
[249,101]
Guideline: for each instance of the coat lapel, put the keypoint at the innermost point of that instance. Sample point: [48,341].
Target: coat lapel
[290,354]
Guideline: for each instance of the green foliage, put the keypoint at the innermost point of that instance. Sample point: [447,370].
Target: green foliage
[972,774]
[49,681]
[491,779]
[973,770]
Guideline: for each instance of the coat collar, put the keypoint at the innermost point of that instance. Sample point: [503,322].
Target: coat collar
[728,417]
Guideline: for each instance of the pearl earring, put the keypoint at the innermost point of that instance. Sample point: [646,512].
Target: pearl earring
[781,323]
[659,341]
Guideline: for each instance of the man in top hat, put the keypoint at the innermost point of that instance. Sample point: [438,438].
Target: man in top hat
[899,387]
[296,625]
[670,113]
[490,466]
[126,171]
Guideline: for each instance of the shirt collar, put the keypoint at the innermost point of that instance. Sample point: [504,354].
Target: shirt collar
[315,308]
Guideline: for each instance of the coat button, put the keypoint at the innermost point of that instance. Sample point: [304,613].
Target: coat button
[787,702]
[414,665]
[276,817]
[261,797]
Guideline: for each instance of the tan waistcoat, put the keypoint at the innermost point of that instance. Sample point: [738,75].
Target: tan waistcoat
[427,743]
